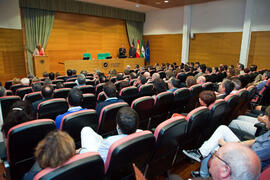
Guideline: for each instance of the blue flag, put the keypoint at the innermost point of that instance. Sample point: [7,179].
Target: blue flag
[147,55]
[133,43]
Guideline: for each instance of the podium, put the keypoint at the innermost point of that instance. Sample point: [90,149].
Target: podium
[41,64]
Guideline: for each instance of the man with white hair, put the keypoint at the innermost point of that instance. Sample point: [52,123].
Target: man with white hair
[201,80]
[25,81]
[147,75]
[80,81]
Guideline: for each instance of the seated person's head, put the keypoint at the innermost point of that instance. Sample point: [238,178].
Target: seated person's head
[201,80]
[155,76]
[74,72]
[124,84]
[127,120]
[35,79]
[55,149]
[25,81]
[47,81]
[267,117]
[36,87]
[16,81]
[2,91]
[159,86]
[109,89]
[173,83]
[147,75]
[45,74]
[69,72]
[51,76]
[20,112]
[207,97]
[237,83]
[119,77]
[169,74]
[141,80]
[235,161]
[81,79]
[47,91]
[226,87]
[190,81]
[75,97]
[59,85]
[132,75]
[266,75]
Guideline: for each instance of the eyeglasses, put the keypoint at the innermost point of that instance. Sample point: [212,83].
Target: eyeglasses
[215,154]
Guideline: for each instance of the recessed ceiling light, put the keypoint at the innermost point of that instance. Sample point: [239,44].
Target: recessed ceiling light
[166,1]
[137,5]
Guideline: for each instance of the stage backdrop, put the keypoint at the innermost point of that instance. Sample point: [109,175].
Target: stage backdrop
[74,34]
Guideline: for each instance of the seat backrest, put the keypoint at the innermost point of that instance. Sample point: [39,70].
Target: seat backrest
[101,97]
[9,93]
[22,91]
[169,134]
[99,88]
[265,94]
[16,86]
[57,81]
[71,79]
[129,94]
[89,101]
[6,103]
[81,166]
[182,77]
[144,106]
[74,122]
[90,81]
[162,74]
[52,108]
[61,93]
[32,97]
[163,101]
[69,84]
[87,89]
[134,148]
[107,118]
[194,98]
[146,90]
[252,90]
[61,77]
[22,140]
[232,101]
[8,84]
[181,97]
[208,86]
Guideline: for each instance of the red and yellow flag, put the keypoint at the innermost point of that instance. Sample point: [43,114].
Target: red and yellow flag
[138,53]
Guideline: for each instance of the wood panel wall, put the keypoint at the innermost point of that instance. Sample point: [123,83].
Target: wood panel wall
[12,62]
[213,49]
[259,52]
[165,48]
[74,34]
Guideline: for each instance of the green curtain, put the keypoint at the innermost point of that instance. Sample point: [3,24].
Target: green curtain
[135,31]
[38,25]
[74,6]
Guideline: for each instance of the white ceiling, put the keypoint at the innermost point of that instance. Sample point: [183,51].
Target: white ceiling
[122,4]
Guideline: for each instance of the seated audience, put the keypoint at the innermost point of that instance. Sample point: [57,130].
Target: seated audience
[173,84]
[25,82]
[74,99]
[190,81]
[214,70]
[246,123]
[201,70]
[16,81]
[80,81]
[53,151]
[154,76]
[46,93]
[140,81]
[51,76]
[265,77]
[159,86]
[124,84]
[35,79]
[45,75]
[225,88]
[59,85]
[110,92]
[2,91]
[169,74]
[127,121]
[223,135]
[237,85]
[47,81]
[147,75]
[36,87]
[208,70]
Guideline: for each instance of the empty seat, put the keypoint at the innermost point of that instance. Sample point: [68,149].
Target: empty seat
[144,106]
[9,93]
[89,101]
[180,100]
[74,122]
[146,90]
[6,103]
[232,101]
[8,84]
[23,91]
[69,84]
[169,135]
[16,86]
[107,119]
[99,88]
[32,97]
[51,108]
[163,103]
[22,140]
[61,93]
[101,97]
[194,97]
[81,166]
[134,148]
[87,89]
[129,94]
[240,108]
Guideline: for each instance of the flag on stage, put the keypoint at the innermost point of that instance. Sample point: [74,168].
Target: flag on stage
[133,43]
[142,51]
[138,50]
[147,55]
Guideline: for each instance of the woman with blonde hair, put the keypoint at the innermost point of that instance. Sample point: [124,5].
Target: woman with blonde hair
[51,152]
[39,51]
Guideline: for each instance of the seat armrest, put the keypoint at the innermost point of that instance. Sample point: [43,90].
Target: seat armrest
[6,170]
[261,128]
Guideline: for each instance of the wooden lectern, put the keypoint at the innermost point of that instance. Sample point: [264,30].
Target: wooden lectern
[41,64]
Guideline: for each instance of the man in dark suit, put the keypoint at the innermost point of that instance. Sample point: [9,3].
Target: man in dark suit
[47,93]
[122,52]
[110,92]
[132,51]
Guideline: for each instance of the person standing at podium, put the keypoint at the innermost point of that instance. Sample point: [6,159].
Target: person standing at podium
[122,52]
[132,51]
[39,51]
